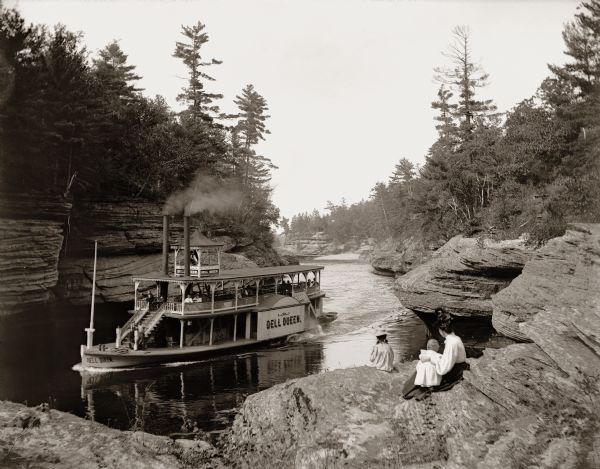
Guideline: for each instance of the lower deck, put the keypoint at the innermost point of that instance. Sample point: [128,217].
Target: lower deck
[110,356]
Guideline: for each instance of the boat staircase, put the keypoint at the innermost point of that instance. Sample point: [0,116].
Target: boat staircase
[144,319]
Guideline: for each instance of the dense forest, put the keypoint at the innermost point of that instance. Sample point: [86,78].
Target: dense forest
[77,125]
[532,170]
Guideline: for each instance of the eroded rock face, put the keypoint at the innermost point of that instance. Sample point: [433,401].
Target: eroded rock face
[392,260]
[462,276]
[29,250]
[556,299]
[502,415]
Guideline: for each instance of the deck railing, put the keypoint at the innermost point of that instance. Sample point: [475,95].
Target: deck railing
[172,307]
[141,304]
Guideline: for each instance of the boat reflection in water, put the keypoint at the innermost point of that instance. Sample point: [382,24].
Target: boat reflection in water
[165,401]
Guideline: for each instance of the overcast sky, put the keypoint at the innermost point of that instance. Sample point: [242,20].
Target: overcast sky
[349,83]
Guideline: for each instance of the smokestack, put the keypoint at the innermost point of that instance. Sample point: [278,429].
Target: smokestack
[186,245]
[165,251]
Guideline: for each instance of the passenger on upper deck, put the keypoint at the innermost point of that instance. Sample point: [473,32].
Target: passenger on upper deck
[188,299]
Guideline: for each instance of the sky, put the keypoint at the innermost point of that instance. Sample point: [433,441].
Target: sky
[349,83]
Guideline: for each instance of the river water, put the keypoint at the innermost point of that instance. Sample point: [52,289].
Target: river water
[38,352]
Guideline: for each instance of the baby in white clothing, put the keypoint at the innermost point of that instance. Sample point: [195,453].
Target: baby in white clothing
[427,375]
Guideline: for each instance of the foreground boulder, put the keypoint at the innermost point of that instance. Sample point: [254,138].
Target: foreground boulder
[514,408]
[44,439]
[462,276]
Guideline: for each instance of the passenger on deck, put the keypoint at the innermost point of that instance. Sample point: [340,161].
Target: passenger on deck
[197,298]
[188,299]
[382,355]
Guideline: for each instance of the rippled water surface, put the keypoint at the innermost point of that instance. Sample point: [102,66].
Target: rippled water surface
[37,353]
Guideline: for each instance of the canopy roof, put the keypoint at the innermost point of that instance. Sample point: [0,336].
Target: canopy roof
[198,240]
[237,274]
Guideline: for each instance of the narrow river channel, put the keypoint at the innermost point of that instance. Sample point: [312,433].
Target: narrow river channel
[38,352]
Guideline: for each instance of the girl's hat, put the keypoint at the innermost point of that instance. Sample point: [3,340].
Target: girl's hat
[380,333]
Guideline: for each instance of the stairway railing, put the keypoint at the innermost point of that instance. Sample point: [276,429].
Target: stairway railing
[132,322]
[155,319]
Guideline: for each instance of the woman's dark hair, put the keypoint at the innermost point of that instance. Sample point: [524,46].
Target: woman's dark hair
[382,339]
[444,321]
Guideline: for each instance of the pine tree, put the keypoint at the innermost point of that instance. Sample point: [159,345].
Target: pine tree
[116,76]
[201,104]
[465,76]
[251,129]
[582,39]
[403,172]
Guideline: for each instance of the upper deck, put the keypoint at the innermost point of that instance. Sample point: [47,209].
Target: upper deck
[232,275]
[229,291]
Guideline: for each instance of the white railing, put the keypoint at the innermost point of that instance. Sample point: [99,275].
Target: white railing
[141,304]
[172,307]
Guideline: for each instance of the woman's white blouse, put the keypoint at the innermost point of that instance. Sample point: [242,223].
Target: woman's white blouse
[454,352]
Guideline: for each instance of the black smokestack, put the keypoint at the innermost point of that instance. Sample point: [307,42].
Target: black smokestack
[165,251]
[186,245]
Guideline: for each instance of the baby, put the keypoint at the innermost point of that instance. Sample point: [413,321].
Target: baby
[427,375]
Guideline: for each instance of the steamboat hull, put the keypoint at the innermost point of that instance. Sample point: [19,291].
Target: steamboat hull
[107,359]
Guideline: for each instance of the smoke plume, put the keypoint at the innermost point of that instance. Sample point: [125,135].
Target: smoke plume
[204,193]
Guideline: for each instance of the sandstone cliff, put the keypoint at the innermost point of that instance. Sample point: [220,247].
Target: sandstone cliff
[29,249]
[46,253]
[462,276]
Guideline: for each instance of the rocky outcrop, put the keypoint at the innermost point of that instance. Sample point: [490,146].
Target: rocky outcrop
[556,286]
[44,438]
[515,408]
[319,244]
[462,276]
[392,259]
[30,244]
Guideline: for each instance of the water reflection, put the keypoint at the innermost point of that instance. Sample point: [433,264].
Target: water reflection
[38,350]
[207,393]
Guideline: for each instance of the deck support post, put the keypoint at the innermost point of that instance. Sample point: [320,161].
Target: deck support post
[234,327]
[248,320]
[213,287]
[181,326]
[183,288]
[136,285]
[118,340]
[210,337]
[236,296]
[276,282]
[257,283]
[136,338]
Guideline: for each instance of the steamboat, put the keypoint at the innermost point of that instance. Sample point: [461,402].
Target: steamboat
[192,309]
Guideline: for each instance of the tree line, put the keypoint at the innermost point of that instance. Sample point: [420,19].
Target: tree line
[532,171]
[78,125]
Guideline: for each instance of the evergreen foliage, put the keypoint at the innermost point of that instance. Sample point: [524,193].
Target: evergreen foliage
[532,174]
[78,125]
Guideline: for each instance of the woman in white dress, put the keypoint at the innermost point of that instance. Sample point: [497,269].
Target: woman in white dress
[451,364]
